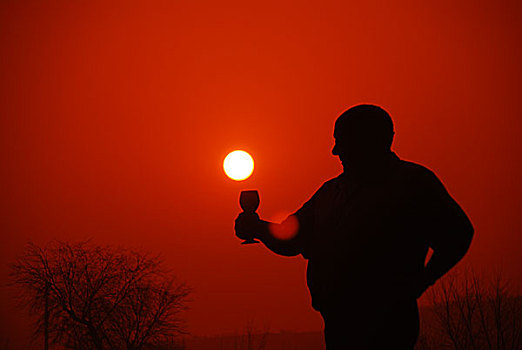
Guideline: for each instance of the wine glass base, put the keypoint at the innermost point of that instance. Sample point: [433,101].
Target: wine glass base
[250,242]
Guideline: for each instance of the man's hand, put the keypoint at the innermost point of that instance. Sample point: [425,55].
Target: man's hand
[247,225]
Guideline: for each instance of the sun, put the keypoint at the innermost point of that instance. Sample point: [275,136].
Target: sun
[238,165]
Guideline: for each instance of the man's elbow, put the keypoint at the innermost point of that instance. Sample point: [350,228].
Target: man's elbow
[468,234]
[456,242]
[465,234]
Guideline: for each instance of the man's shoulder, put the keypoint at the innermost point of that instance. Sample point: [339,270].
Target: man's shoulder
[329,186]
[414,172]
[413,169]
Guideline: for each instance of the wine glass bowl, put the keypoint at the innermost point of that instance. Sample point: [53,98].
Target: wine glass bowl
[249,201]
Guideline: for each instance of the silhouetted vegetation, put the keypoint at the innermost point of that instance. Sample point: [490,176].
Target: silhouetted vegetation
[85,296]
[471,311]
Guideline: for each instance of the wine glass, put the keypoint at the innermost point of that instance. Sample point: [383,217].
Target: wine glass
[249,202]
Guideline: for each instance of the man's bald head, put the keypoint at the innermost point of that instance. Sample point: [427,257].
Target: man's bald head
[363,131]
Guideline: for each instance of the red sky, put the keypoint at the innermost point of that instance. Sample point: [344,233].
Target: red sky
[115,119]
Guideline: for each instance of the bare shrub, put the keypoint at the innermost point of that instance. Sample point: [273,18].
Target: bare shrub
[473,311]
[85,296]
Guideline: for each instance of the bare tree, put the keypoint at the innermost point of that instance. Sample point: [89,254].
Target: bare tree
[90,297]
[475,312]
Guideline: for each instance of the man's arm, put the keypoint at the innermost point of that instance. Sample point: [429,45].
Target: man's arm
[298,224]
[260,229]
[449,230]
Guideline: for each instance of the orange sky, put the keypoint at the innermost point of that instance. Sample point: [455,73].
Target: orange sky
[114,121]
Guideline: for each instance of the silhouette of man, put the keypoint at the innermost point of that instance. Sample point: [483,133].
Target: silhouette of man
[366,235]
